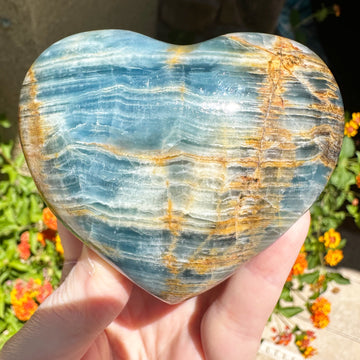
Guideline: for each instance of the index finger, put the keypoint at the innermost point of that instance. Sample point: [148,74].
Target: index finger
[72,249]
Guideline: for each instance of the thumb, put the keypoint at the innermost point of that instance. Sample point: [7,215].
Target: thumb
[69,321]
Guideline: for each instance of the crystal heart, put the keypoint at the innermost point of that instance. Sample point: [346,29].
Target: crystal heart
[179,163]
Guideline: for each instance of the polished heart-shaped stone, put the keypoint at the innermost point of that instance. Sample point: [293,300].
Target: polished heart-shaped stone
[179,163]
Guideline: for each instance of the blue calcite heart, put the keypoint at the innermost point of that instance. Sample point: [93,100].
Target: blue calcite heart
[179,163]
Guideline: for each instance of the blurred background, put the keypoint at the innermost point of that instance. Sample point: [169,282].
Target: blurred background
[30,248]
[27,28]
[330,29]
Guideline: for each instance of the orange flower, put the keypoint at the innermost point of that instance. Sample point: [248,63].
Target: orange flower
[356,118]
[333,257]
[299,266]
[320,309]
[351,128]
[24,246]
[337,10]
[309,352]
[320,320]
[331,239]
[41,238]
[49,219]
[321,305]
[358,180]
[282,338]
[26,296]
[25,308]
[43,292]
[318,285]
[58,246]
[46,234]
[303,341]
[22,301]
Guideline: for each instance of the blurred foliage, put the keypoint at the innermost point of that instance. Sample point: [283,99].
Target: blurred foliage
[323,249]
[31,255]
[21,212]
[299,23]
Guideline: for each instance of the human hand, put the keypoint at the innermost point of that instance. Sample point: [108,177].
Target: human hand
[97,313]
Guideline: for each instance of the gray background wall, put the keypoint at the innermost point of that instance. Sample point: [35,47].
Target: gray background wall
[27,27]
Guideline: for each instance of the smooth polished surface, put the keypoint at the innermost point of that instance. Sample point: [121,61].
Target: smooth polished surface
[178,163]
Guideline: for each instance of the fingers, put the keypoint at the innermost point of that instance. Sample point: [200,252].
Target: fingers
[238,316]
[74,316]
[72,249]
[71,244]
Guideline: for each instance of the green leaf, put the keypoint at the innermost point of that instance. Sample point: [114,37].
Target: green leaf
[310,278]
[19,161]
[35,208]
[4,185]
[313,260]
[354,167]
[10,215]
[358,156]
[2,303]
[352,209]
[12,194]
[338,278]
[7,228]
[334,221]
[22,212]
[4,122]
[314,296]
[339,200]
[321,14]
[11,249]
[3,326]
[342,178]
[10,171]
[290,311]
[285,294]
[348,148]
[11,319]
[357,220]
[19,266]
[4,276]
[6,149]
[25,185]
[33,241]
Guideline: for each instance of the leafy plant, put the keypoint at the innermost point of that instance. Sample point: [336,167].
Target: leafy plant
[29,256]
[323,248]
[298,22]
[31,253]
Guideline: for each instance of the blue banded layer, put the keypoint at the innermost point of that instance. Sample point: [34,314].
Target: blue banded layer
[178,163]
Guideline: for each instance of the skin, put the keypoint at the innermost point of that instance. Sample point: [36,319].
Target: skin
[99,314]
